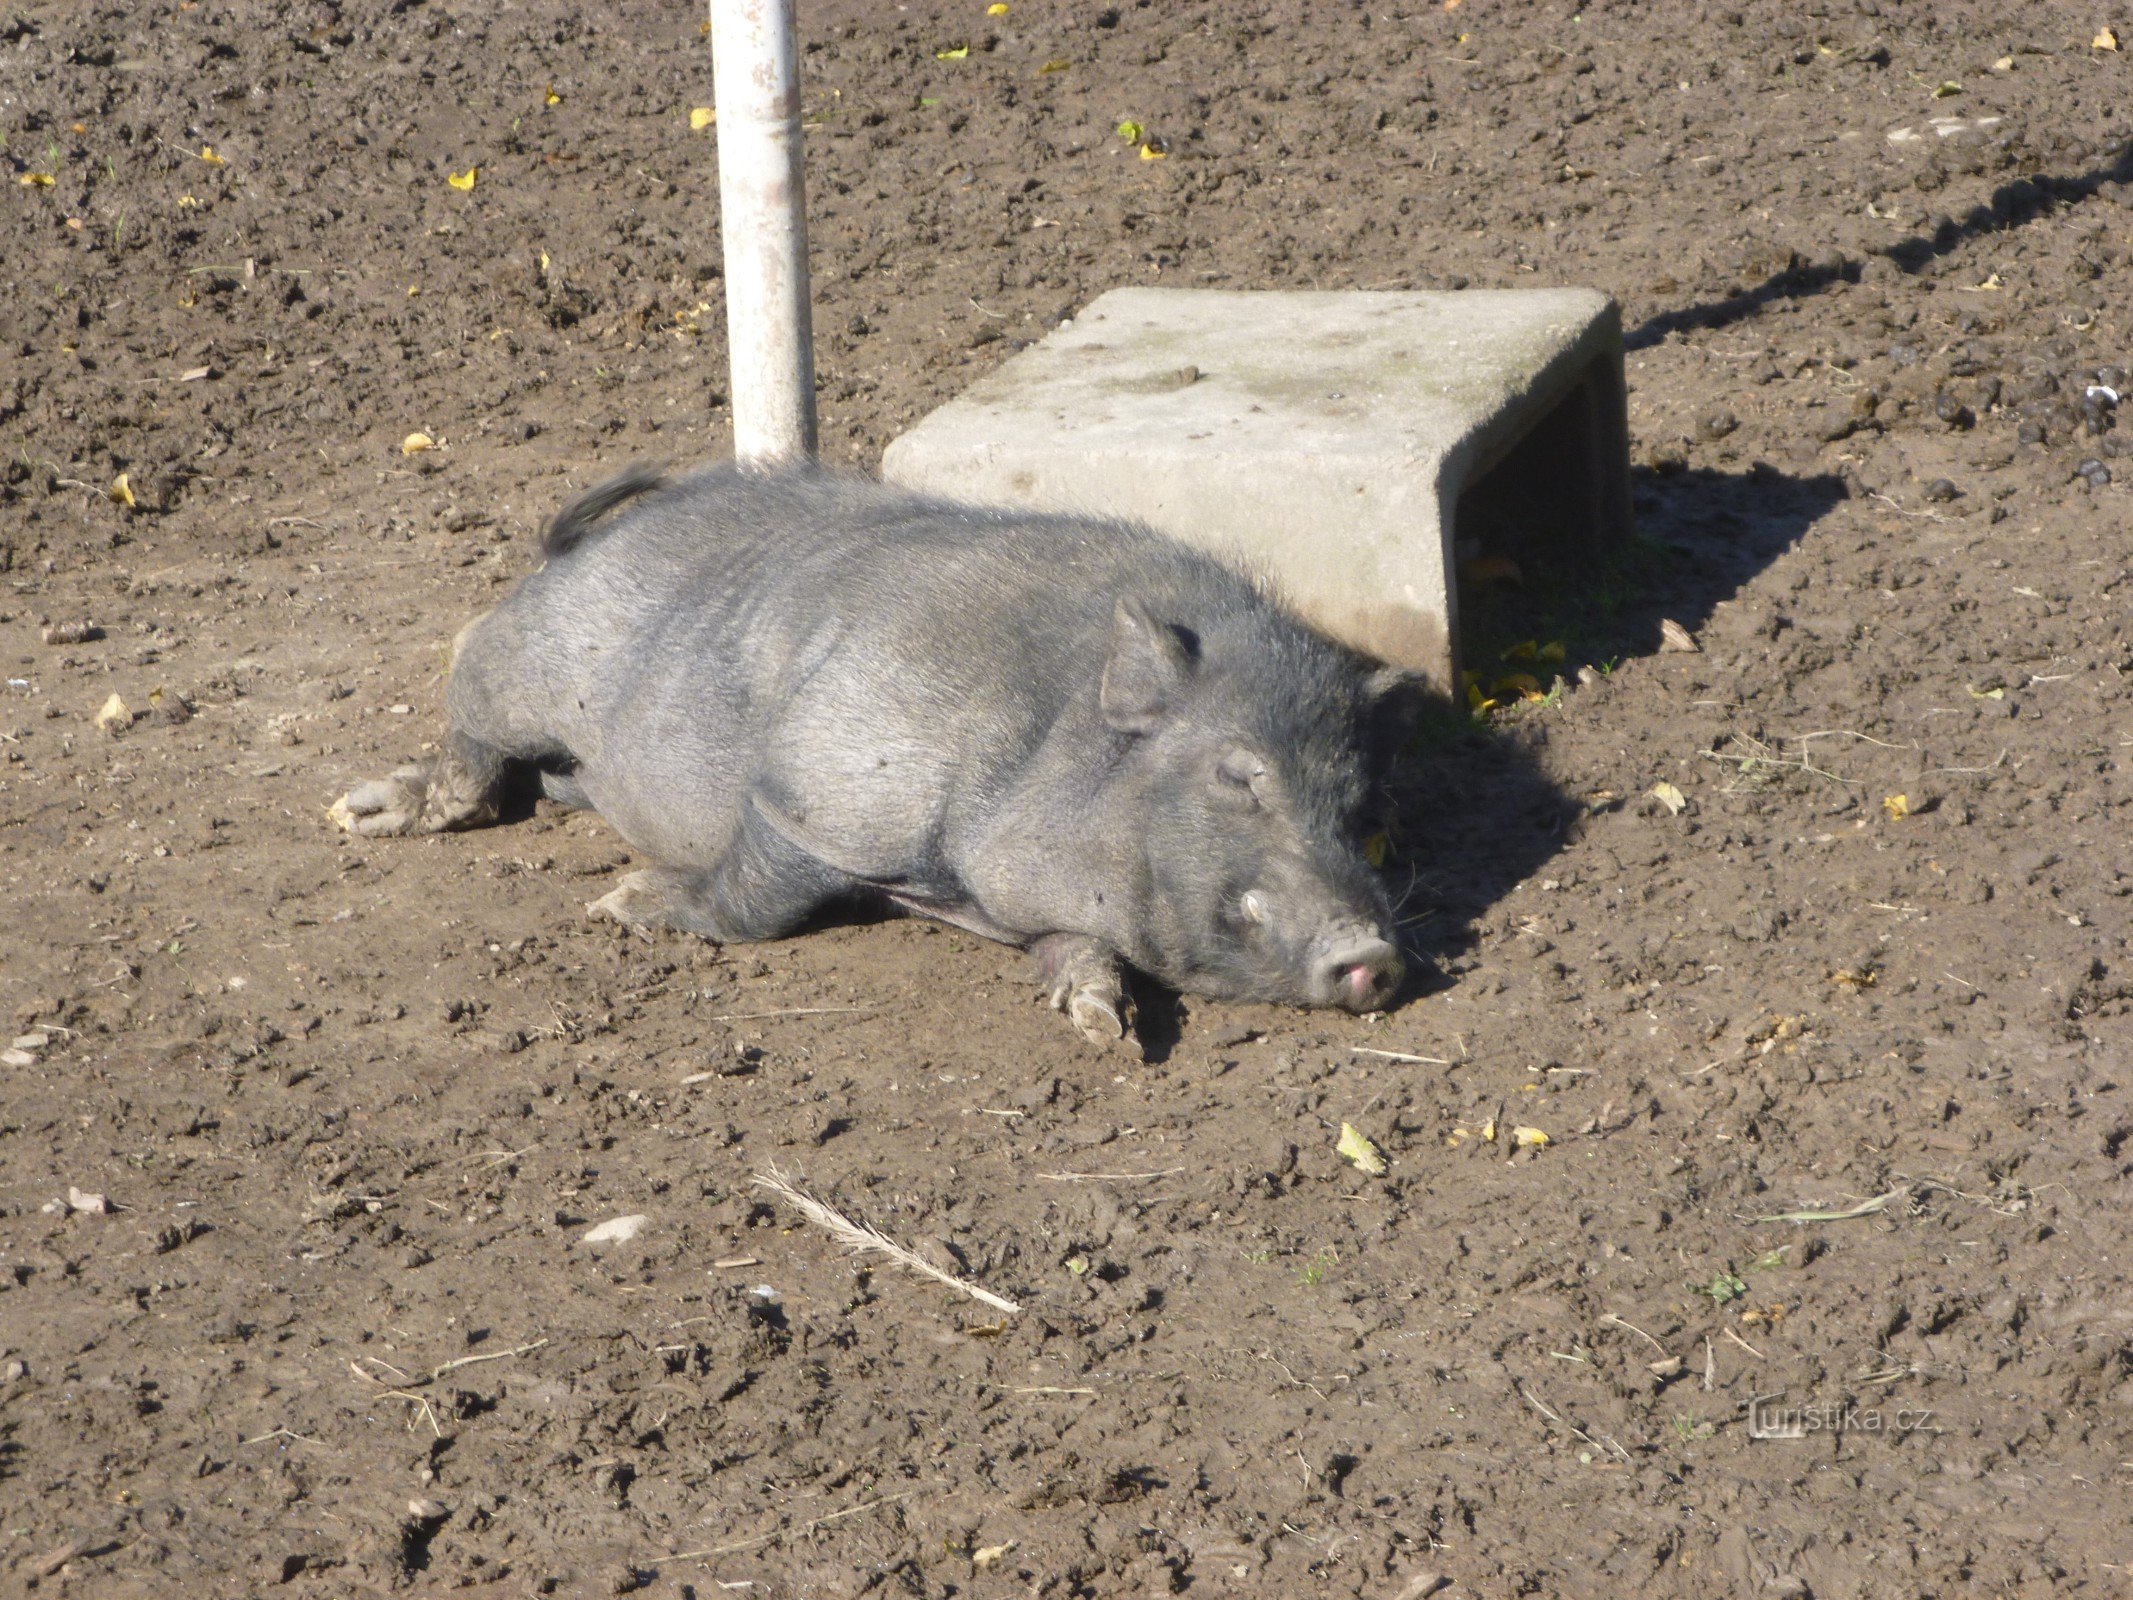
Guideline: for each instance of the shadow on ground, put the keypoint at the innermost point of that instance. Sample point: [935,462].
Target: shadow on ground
[2010,204]
[1476,816]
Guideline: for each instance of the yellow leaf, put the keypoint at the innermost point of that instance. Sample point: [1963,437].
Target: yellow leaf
[1524,650]
[415,443]
[1359,1152]
[702,117]
[1551,651]
[1155,150]
[1053,66]
[1943,91]
[952,53]
[1488,1131]
[1670,797]
[1898,806]
[1528,1138]
[121,491]
[550,97]
[1855,977]
[1377,849]
[996,10]
[1994,693]
[544,261]
[186,202]
[1522,684]
[207,154]
[462,181]
[35,180]
[2104,40]
[114,716]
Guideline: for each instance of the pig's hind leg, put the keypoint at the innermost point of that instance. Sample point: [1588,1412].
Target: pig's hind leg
[458,789]
[763,886]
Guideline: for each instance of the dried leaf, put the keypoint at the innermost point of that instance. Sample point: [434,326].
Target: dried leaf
[2105,40]
[1524,650]
[1053,66]
[1551,651]
[462,181]
[989,1555]
[1673,636]
[1896,807]
[122,492]
[207,154]
[1359,1152]
[955,52]
[1377,849]
[550,97]
[1670,797]
[1529,1139]
[702,117]
[415,443]
[195,374]
[1854,977]
[1944,90]
[114,717]
[35,180]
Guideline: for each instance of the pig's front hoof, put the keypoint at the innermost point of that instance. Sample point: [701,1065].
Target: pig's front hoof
[635,902]
[1100,1015]
[1085,980]
[384,806]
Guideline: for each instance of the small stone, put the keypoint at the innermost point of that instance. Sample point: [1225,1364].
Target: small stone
[2094,471]
[1717,425]
[72,633]
[617,1230]
[1941,490]
[427,1511]
[94,1205]
[32,1041]
[1674,637]
[14,1372]
[17,1058]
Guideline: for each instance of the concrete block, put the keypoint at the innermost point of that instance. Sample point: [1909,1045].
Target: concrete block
[1346,443]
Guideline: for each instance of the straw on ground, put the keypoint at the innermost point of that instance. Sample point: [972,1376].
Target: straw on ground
[862,1240]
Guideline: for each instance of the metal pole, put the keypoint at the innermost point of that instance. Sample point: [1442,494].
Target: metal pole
[763,219]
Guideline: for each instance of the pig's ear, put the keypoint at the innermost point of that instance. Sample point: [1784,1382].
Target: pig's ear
[1149,663]
[1393,696]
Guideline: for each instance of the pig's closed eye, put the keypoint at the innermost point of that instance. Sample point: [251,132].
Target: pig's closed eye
[1240,772]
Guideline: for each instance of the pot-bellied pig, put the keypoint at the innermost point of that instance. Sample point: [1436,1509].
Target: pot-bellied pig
[1070,734]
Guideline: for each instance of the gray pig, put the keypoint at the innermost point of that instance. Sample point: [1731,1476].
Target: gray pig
[1071,735]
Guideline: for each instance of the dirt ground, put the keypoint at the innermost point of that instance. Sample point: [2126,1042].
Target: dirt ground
[353,1106]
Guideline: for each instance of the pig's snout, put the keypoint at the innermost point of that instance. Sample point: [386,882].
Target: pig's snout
[1355,970]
